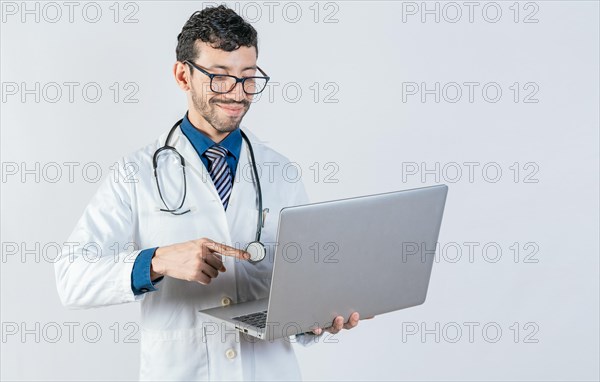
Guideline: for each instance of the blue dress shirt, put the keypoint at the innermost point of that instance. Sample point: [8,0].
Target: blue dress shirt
[232,142]
[140,275]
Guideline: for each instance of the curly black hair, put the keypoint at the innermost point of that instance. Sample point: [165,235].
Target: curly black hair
[220,26]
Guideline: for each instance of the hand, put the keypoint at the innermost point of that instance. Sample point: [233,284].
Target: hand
[338,324]
[196,260]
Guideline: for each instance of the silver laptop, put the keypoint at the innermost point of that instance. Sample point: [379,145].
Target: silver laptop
[370,254]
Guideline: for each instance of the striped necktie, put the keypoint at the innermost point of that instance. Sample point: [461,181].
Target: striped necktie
[220,172]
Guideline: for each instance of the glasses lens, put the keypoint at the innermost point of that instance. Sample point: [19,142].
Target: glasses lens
[255,85]
[222,84]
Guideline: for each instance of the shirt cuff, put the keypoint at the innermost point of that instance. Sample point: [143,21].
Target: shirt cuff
[307,338]
[140,275]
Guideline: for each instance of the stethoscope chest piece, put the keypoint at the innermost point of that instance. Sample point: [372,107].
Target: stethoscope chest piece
[257,251]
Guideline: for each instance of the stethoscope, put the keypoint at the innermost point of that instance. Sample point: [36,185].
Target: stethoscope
[256,249]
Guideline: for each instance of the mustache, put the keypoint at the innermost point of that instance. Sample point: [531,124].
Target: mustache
[242,103]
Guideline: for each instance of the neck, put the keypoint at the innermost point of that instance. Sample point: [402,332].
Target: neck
[202,124]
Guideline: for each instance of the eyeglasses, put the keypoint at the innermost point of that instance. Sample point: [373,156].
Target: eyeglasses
[224,83]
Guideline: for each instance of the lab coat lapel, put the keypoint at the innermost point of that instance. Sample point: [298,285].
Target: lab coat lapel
[241,219]
[240,216]
[242,202]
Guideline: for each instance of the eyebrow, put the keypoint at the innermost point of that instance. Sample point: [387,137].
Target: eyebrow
[228,68]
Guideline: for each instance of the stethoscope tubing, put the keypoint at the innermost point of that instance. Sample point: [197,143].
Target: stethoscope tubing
[255,176]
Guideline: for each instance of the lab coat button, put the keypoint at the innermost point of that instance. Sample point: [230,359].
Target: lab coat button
[144,290]
[230,354]
[225,301]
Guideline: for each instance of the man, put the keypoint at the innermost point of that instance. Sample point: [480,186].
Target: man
[190,222]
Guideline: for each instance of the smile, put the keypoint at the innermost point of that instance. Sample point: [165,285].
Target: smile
[233,111]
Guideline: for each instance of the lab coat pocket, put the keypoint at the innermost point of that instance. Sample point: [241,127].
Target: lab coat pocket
[174,355]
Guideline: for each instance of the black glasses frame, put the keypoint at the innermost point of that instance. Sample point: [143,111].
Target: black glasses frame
[237,79]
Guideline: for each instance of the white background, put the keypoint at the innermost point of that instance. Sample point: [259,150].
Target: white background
[374,137]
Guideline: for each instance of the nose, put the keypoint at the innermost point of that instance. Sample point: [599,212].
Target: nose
[237,93]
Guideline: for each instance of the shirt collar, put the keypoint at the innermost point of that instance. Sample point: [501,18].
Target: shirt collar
[232,142]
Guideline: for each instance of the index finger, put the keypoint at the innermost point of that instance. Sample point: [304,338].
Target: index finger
[226,250]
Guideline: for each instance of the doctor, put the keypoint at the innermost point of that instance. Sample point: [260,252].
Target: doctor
[172,240]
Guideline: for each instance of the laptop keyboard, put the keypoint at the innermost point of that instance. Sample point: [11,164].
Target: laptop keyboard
[258,319]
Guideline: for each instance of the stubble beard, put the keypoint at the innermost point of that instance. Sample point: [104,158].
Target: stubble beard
[208,110]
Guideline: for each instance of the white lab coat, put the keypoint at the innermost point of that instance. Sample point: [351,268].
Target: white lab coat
[177,342]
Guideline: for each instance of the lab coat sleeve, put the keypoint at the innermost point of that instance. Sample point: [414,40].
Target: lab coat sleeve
[95,265]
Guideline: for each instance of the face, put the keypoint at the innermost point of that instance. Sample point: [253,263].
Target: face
[224,112]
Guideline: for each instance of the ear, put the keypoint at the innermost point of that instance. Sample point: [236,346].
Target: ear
[182,75]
